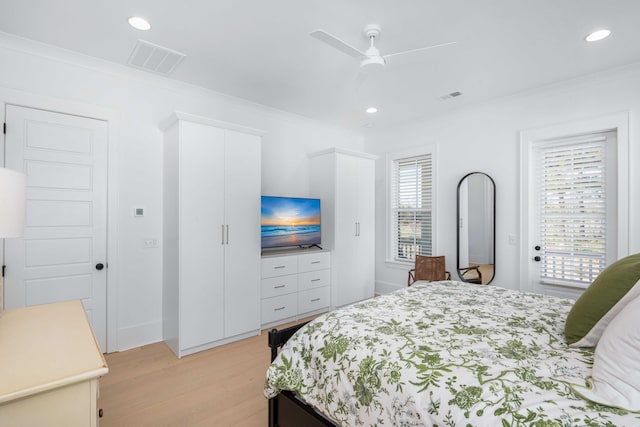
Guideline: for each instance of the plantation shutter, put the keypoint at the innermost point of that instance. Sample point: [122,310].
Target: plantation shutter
[573,209]
[411,207]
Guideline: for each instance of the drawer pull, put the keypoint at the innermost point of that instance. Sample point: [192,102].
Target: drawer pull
[315,280]
[279,286]
[315,262]
[279,308]
[280,266]
[315,299]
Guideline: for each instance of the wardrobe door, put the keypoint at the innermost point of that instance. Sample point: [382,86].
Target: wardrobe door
[366,229]
[201,195]
[346,288]
[242,216]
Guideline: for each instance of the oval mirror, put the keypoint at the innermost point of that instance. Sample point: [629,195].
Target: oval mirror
[476,228]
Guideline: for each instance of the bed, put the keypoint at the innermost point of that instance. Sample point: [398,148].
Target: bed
[437,353]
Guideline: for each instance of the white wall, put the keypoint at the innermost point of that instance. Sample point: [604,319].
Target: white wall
[485,138]
[138,101]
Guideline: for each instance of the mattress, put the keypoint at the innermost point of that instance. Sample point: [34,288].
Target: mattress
[443,353]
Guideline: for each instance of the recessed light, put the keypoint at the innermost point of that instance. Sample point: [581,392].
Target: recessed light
[139,23]
[371,110]
[598,35]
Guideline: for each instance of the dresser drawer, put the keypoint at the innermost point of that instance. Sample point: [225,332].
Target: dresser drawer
[281,307]
[313,299]
[279,266]
[274,286]
[314,279]
[314,261]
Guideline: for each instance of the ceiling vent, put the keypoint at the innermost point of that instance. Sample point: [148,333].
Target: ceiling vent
[157,59]
[451,95]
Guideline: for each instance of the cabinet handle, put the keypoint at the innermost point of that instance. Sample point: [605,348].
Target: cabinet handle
[227,234]
[279,308]
[280,266]
[315,280]
[315,262]
[222,241]
[279,286]
[315,299]
[356,229]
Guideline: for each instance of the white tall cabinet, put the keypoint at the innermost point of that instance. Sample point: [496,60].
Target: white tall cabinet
[211,233]
[345,183]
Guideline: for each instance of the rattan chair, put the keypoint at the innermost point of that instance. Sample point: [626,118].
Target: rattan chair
[431,268]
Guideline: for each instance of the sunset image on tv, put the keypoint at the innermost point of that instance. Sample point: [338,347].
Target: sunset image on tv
[288,221]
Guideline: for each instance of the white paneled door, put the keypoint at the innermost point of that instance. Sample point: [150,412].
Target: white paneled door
[63,255]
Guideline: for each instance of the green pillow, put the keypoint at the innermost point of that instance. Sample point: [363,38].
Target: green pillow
[612,290]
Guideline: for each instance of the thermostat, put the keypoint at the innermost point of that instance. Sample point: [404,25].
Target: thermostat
[138,212]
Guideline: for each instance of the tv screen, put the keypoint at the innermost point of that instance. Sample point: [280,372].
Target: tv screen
[290,221]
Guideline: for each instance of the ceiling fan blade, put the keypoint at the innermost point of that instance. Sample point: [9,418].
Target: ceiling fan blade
[335,42]
[418,49]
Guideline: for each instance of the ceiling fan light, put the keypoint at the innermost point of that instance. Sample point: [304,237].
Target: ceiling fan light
[372,61]
[597,35]
[371,110]
[139,23]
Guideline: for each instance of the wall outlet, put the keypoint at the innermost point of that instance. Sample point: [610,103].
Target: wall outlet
[513,239]
[150,242]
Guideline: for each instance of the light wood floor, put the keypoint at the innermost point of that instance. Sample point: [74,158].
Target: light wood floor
[149,386]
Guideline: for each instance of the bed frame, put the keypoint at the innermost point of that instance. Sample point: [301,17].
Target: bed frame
[287,409]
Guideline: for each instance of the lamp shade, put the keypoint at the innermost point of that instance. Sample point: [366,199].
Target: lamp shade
[13,193]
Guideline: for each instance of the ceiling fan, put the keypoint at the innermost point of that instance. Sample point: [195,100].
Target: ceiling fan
[372,55]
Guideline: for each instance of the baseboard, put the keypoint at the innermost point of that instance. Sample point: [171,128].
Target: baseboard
[213,344]
[387,287]
[139,335]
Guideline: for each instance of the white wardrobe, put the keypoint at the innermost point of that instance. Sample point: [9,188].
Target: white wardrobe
[211,233]
[345,183]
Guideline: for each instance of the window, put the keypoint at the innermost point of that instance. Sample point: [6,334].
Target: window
[576,208]
[411,216]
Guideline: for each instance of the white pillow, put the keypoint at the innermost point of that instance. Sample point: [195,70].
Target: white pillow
[615,378]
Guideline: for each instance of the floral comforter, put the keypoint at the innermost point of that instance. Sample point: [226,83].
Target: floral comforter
[443,354]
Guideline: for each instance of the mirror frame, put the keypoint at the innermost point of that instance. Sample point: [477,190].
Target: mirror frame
[493,185]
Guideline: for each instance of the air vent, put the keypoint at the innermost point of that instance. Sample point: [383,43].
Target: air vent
[451,95]
[157,59]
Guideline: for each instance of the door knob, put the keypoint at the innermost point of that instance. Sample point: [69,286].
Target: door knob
[99,266]
[537,258]
[537,247]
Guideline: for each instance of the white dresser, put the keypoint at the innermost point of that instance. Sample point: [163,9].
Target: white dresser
[50,364]
[294,286]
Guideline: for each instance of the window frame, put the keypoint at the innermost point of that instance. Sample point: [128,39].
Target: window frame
[391,158]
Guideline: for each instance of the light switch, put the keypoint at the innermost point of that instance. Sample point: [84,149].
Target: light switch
[138,212]
[150,242]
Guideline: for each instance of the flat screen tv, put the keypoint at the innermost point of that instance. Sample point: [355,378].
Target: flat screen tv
[290,221]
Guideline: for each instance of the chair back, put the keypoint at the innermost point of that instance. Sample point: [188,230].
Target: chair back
[430,268]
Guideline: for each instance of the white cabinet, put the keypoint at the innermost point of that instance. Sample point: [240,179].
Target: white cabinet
[294,286]
[345,182]
[211,233]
